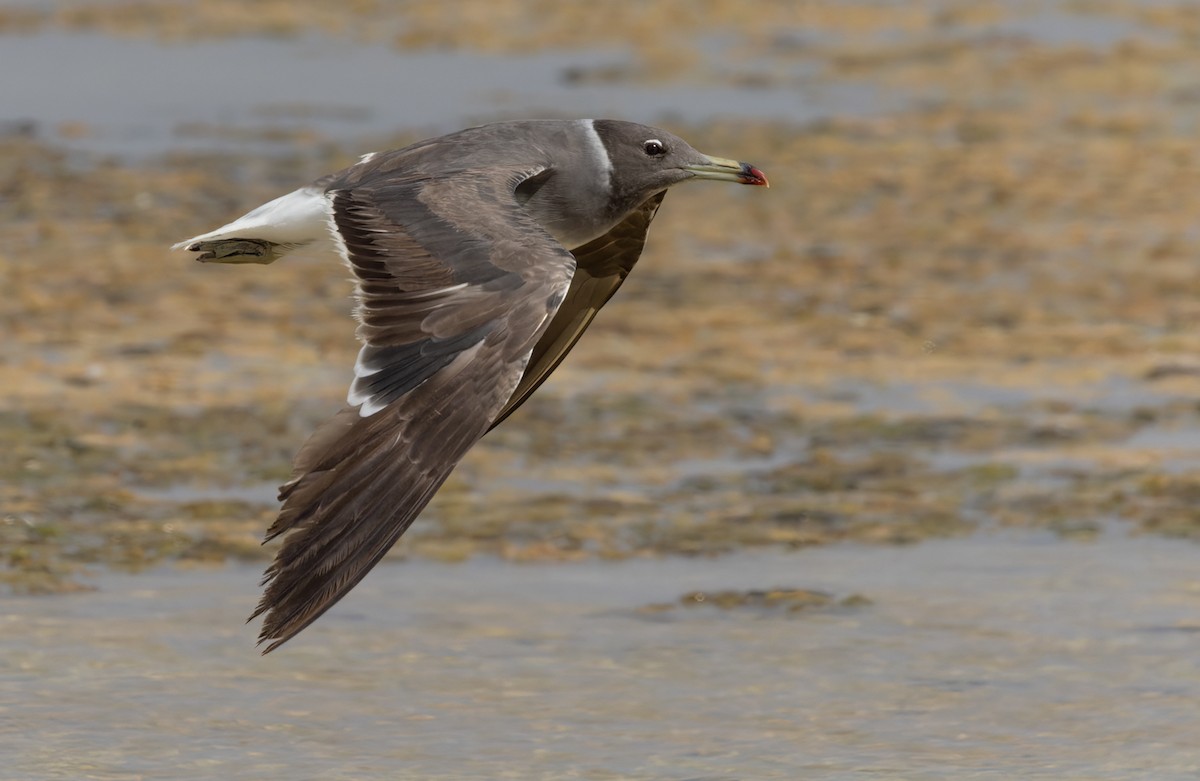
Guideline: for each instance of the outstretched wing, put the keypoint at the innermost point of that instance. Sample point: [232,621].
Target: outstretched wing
[455,286]
[603,264]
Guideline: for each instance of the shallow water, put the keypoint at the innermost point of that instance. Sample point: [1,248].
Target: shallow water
[239,95]
[995,656]
[248,94]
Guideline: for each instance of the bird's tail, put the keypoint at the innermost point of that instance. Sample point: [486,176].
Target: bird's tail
[298,219]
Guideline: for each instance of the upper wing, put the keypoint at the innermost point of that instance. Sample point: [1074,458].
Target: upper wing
[603,264]
[455,286]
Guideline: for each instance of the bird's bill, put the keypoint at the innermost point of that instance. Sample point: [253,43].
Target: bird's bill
[723,170]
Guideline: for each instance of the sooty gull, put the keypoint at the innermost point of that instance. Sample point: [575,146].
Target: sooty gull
[479,258]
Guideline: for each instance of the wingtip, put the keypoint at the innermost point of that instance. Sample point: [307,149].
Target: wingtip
[274,634]
[272,643]
[270,647]
[269,633]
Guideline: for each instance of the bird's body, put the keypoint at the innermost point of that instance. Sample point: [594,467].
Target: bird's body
[479,259]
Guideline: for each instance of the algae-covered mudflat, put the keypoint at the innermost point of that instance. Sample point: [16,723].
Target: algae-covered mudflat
[969,298]
[967,305]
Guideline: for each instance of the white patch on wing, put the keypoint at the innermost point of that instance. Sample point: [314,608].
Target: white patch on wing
[369,405]
[598,150]
[360,367]
[437,292]
[354,398]
[335,235]
[368,157]
[296,219]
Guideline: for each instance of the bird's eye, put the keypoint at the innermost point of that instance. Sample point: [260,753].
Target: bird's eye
[654,147]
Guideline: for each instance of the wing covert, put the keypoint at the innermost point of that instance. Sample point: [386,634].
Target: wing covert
[455,285]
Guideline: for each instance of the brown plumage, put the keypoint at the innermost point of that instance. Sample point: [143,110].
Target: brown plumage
[468,297]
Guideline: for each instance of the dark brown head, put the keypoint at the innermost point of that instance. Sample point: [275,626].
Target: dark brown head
[646,160]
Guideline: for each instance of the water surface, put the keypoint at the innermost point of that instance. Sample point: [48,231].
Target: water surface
[995,656]
[138,98]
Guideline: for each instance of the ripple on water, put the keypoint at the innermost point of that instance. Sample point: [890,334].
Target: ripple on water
[990,656]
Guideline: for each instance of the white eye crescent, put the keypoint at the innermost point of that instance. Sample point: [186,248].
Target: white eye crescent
[654,147]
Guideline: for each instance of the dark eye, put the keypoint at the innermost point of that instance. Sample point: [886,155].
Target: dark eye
[654,147]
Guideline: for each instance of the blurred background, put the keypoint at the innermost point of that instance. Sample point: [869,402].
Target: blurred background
[925,414]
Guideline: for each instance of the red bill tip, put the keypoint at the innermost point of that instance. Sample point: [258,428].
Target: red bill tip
[751,175]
